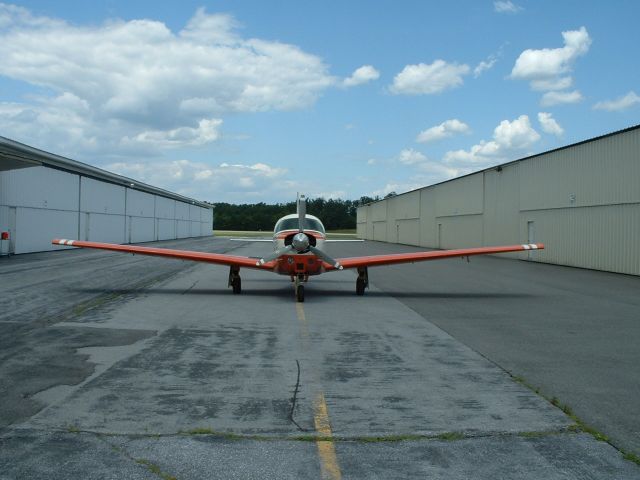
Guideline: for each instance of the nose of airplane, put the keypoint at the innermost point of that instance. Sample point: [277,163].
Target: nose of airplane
[300,242]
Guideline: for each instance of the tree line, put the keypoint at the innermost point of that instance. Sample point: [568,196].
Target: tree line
[336,214]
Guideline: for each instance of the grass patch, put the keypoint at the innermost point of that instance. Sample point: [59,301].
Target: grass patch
[73,429]
[632,457]
[155,469]
[334,234]
[213,433]
[537,434]
[450,436]
[240,233]
[579,426]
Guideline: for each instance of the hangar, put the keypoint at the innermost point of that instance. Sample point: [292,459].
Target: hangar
[582,201]
[44,196]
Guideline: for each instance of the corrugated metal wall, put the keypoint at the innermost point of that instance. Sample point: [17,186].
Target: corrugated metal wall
[38,204]
[582,201]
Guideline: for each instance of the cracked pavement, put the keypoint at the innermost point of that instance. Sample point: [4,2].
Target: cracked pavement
[138,367]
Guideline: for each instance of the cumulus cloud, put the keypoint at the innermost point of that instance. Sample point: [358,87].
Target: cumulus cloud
[137,81]
[409,156]
[547,69]
[556,98]
[509,138]
[507,6]
[552,62]
[546,84]
[549,124]
[364,74]
[205,132]
[620,103]
[484,65]
[425,79]
[197,179]
[446,129]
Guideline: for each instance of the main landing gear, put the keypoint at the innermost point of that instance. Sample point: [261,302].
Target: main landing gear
[363,280]
[234,280]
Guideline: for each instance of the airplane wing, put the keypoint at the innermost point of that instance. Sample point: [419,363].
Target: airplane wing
[219,258]
[389,259]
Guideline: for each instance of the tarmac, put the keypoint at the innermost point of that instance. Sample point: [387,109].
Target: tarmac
[120,366]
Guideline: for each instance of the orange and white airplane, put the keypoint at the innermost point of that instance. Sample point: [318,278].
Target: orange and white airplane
[298,241]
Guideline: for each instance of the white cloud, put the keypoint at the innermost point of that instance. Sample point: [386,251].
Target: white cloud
[206,132]
[372,161]
[198,180]
[425,79]
[364,74]
[546,69]
[551,62]
[509,138]
[409,156]
[507,6]
[446,129]
[484,65]
[556,98]
[137,80]
[546,84]
[549,124]
[620,103]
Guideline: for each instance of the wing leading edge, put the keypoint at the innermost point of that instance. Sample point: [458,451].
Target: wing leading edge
[390,259]
[218,258]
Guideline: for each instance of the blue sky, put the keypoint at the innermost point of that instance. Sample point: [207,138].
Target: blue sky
[253,101]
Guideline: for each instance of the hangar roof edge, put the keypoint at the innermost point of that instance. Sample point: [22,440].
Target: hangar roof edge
[493,167]
[30,155]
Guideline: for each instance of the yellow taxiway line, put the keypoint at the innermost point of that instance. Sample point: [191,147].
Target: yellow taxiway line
[329,468]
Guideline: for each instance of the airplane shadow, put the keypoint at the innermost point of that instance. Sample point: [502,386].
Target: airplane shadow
[287,291]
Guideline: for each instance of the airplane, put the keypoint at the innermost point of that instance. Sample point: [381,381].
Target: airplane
[299,241]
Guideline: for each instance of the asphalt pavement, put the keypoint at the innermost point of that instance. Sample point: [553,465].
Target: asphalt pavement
[120,366]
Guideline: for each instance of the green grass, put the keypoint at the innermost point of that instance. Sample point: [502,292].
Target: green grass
[579,426]
[155,469]
[335,234]
[632,457]
[241,234]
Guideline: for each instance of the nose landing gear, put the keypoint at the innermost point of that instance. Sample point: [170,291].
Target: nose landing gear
[298,280]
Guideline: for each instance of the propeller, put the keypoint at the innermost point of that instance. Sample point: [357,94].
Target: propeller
[300,242]
[302,212]
[325,257]
[274,255]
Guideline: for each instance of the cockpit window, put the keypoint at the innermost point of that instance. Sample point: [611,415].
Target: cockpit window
[292,224]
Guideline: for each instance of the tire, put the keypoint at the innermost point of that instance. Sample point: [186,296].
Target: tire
[300,293]
[237,286]
[360,287]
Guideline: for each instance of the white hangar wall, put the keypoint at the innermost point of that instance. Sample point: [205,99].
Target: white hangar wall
[581,201]
[39,203]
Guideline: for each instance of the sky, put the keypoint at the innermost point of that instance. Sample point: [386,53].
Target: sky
[253,101]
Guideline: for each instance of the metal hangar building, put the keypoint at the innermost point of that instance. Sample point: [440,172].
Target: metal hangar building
[582,201]
[45,196]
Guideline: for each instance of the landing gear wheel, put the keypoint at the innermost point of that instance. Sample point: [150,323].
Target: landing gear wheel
[237,285]
[300,293]
[363,280]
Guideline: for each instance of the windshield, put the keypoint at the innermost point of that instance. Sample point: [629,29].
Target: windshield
[292,224]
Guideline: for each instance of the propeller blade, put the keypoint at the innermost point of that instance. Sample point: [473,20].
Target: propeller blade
[302,212]
[325,257]
[274,255]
